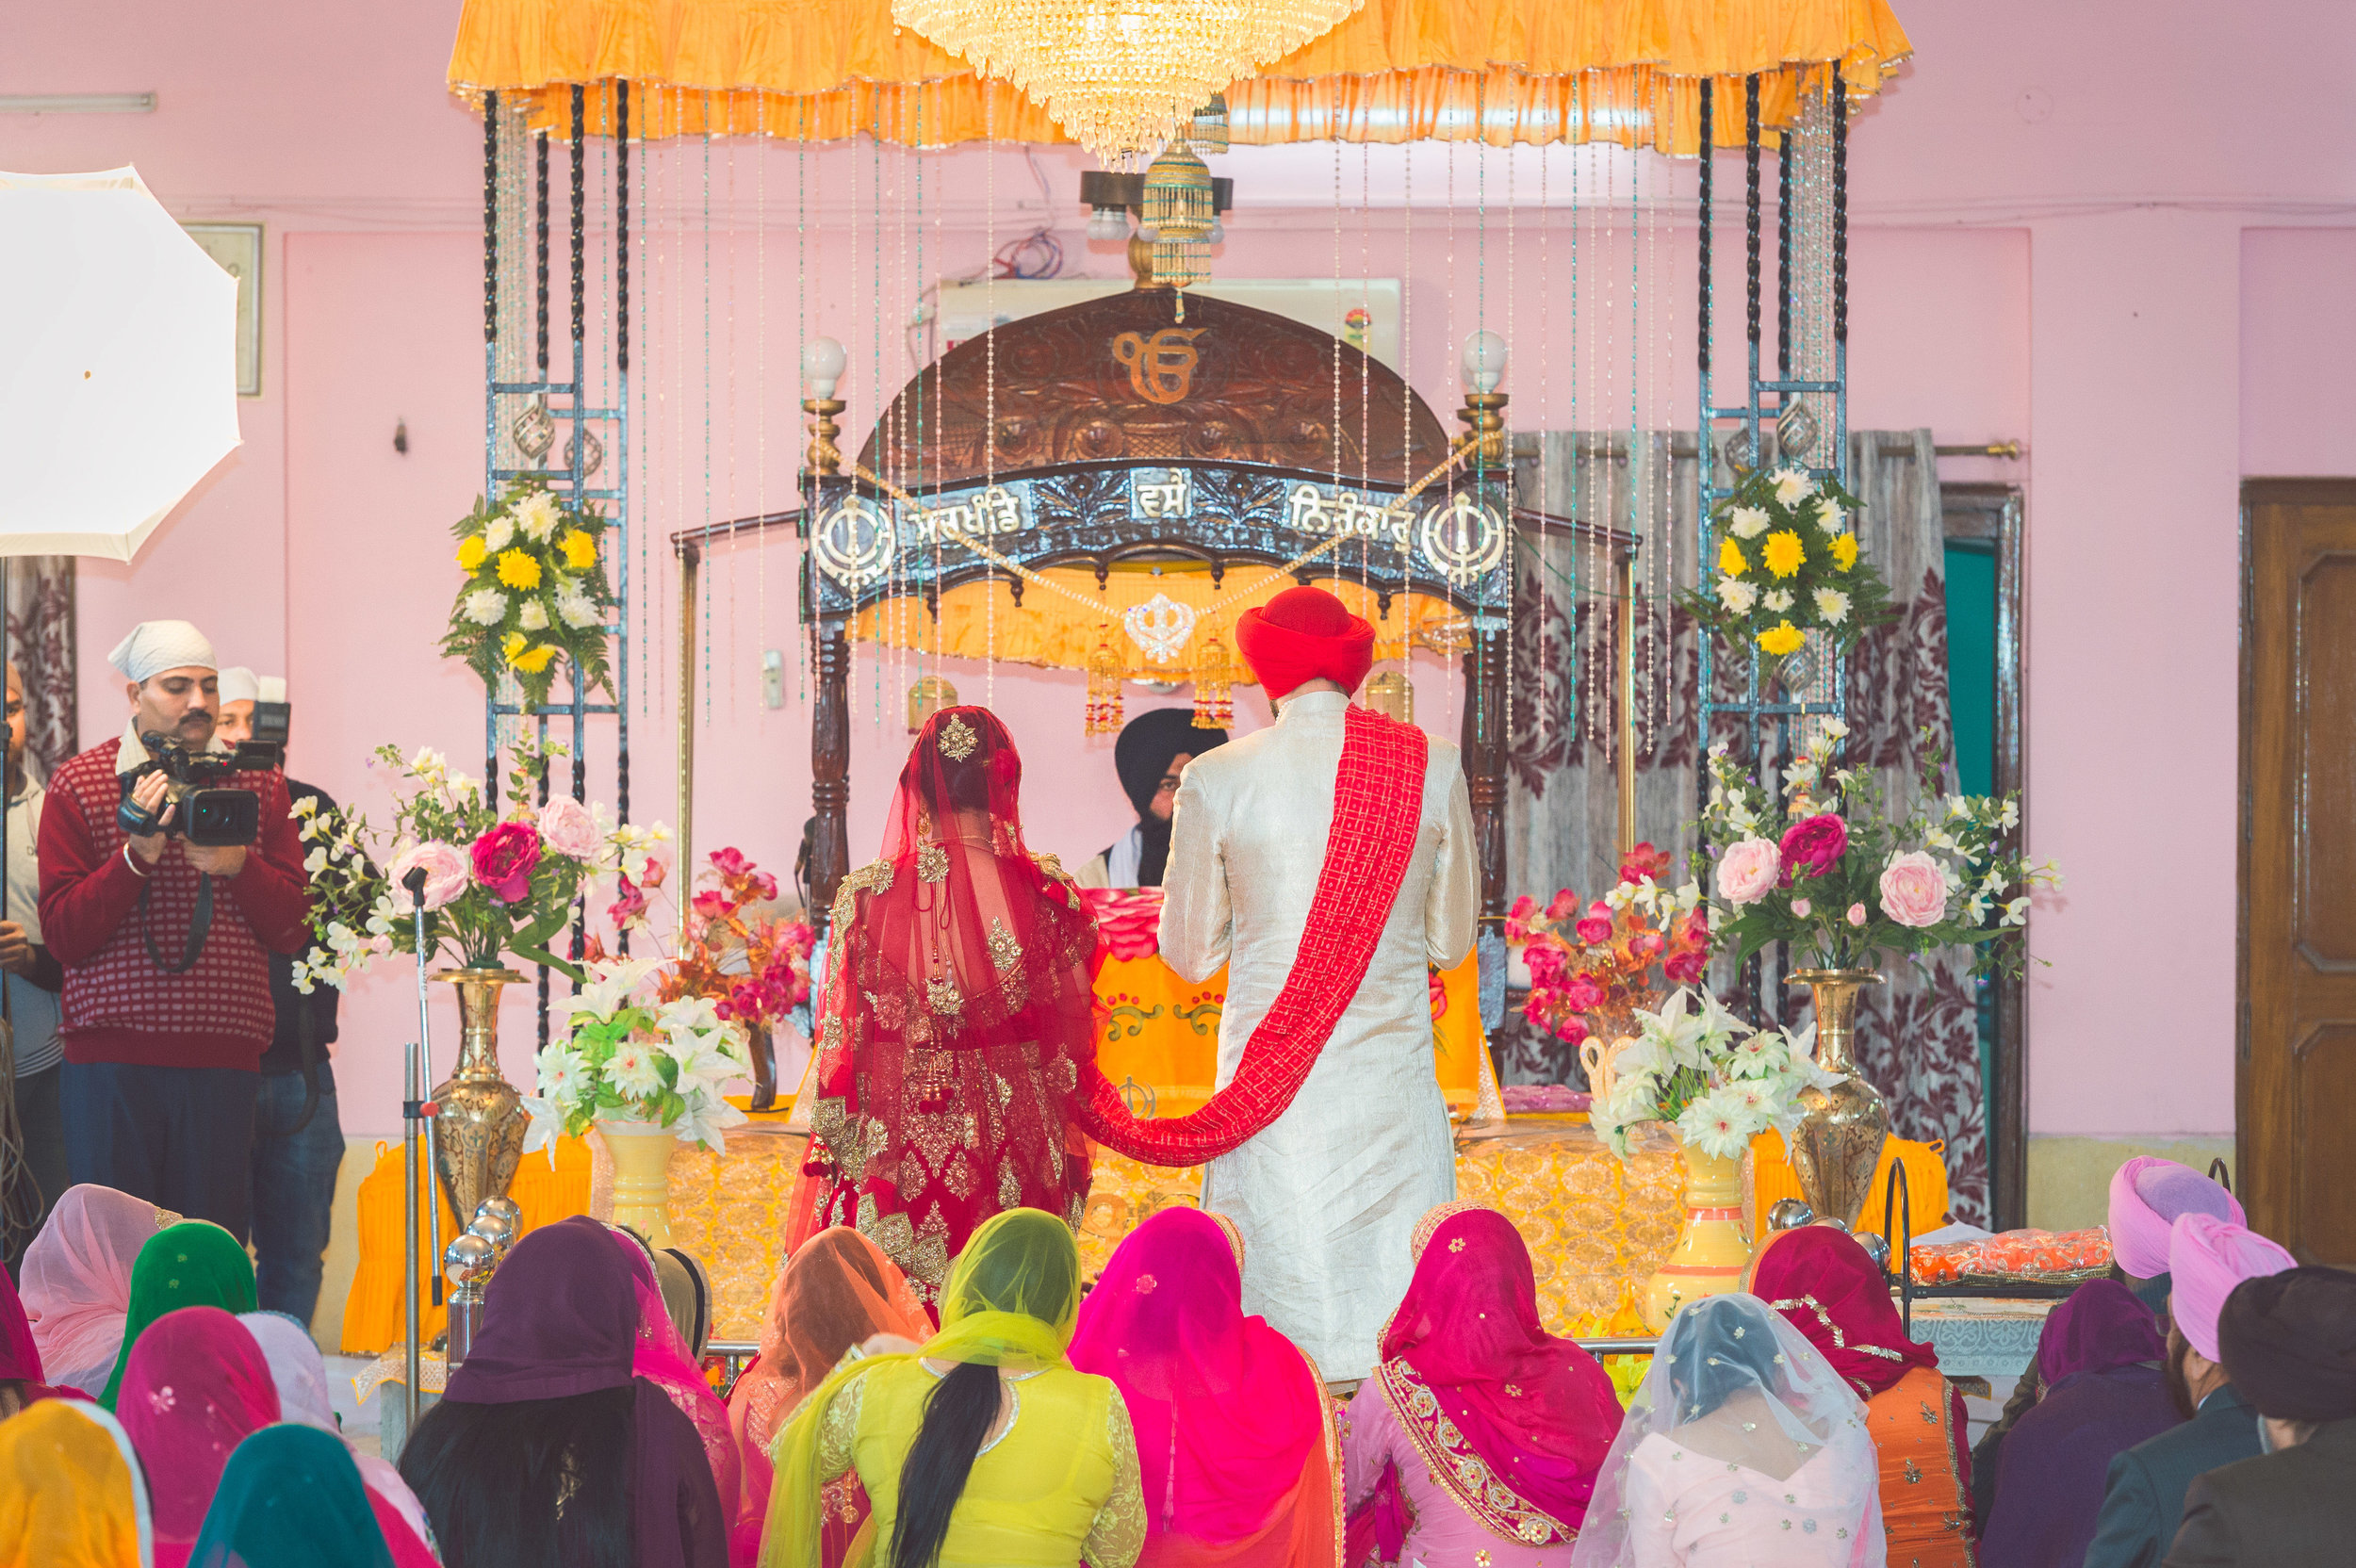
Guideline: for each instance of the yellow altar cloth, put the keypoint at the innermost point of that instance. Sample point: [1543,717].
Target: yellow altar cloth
[1597,1228]
[1161,1034]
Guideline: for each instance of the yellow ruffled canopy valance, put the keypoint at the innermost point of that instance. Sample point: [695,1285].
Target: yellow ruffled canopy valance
[982,621]
[1496,70]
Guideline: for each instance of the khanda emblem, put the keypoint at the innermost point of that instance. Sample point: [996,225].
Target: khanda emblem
[1161,367]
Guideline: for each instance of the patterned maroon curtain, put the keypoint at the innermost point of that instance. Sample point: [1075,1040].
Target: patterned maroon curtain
[1919,1032]
[41,641]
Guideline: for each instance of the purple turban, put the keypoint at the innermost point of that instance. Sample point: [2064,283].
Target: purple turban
[2289,1343]
[2147,1196]
[2206,1258]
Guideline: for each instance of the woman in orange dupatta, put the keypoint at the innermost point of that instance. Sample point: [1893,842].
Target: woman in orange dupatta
[1835,1294]
[1235,1447]
[835,1293]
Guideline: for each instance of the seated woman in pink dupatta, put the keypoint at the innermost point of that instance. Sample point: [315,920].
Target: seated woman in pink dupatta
[1480,1436]
[1235,1445]
[76,1280]
[663,1359]
[834,1294]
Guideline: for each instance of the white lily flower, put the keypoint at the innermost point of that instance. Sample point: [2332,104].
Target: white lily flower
[546,1127]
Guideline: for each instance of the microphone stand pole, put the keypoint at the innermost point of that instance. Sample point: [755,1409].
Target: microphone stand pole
[415,1109]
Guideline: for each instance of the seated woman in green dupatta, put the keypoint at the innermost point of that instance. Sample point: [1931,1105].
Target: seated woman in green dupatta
[193,1264]
[984,1449]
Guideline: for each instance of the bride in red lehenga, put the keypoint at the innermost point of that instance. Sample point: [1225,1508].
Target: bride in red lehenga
[957,1016]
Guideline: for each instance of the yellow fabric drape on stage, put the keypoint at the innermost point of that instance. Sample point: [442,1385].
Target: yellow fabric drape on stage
[980,620]
[1772,1180]
[372,1315]
[1619,71]
[1162,1032]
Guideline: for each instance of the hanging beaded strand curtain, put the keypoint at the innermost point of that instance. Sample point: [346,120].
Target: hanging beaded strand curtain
[549,413]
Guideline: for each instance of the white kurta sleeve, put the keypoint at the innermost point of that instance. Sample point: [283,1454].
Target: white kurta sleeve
[1197,921]
[1452,906]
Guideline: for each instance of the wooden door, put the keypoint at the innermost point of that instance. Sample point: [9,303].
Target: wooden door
[2296,1070]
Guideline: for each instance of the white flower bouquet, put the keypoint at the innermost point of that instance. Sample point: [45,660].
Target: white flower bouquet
[634,1057]
[1721,1083]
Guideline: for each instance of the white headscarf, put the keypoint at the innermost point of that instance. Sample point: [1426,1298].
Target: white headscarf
[155,647]
[301,1377]
[238,684]
[1741,1431]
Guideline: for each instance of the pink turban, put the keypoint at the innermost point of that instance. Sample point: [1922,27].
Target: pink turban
[2206,1258]
[2147,1196]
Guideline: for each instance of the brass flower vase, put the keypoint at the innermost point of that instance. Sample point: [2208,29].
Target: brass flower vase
[1839,1141]
[479,1125]
[1712,1250]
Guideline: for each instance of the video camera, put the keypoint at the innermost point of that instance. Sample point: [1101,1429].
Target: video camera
[208,810]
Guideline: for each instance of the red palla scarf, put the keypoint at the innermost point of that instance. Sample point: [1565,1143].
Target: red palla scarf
[1377,806]
[959,1015]
[1234,1442]
[1833,1293]
[1513,1421]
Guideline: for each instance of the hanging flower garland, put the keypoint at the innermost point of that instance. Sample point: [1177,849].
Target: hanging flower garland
[535,591]
[1786,564]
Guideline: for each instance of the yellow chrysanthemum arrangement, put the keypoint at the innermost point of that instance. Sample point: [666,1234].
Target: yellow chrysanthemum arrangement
[534,591]
[1787,565]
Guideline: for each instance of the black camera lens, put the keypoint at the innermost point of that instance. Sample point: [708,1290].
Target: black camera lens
[216,817]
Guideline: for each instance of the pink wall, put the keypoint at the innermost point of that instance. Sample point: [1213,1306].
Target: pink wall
[2085,227]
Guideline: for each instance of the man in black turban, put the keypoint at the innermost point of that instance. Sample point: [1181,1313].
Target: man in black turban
[2288,1343]
[1153,749]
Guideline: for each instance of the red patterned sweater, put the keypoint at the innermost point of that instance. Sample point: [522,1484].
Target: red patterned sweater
[119,1006]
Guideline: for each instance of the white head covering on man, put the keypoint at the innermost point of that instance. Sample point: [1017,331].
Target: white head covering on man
[155,647]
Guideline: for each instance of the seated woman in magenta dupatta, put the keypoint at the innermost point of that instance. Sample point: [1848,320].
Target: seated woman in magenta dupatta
[1742,1449]
[1835,1293]
[2102,1391]
[194,1386]
[548,1451]
[1234,1439]
[1479,1433]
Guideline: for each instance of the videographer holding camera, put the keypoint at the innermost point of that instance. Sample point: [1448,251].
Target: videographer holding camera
[169,870]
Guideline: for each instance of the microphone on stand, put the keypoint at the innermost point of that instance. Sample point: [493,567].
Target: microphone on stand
[415,1108]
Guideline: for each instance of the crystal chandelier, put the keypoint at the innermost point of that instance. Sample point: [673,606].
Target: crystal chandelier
[1120,75]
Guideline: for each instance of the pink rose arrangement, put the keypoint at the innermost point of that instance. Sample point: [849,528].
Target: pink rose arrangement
[499,886]
[503,859]
[447,871]
[1823,867]
[1592,967]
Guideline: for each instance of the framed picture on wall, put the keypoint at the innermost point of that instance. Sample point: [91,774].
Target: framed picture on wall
[238,249]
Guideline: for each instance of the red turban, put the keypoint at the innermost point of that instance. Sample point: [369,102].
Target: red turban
[1303,634]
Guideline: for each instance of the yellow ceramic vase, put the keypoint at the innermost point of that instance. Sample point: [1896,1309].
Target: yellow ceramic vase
[641,1153]
[1712,1250]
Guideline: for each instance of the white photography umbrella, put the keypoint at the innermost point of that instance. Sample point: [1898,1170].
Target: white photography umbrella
[118,364]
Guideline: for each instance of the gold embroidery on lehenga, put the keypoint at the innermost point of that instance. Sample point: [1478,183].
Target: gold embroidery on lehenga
[932,863]
[1005,952]
[942,996]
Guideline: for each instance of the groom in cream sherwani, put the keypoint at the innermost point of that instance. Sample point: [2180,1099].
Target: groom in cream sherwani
[1327,1195]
